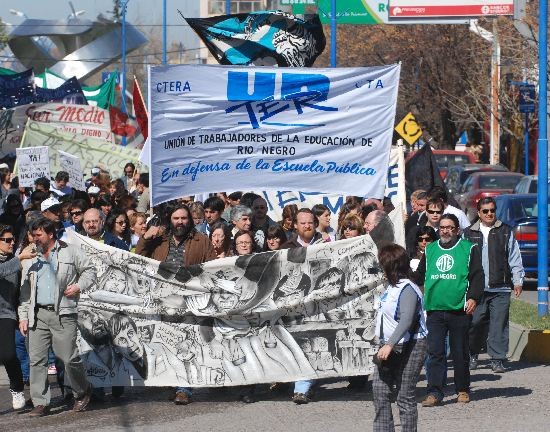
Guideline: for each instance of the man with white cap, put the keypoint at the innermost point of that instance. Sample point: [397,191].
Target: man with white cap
[51,209]
[95,177]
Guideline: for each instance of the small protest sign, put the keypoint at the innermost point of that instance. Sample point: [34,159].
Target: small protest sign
[71,164]
[32,163]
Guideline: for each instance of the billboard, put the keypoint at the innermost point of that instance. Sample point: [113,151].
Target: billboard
[371,12]
[407,9]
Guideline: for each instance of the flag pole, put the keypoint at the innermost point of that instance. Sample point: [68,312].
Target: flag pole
[333,33]
[542,198]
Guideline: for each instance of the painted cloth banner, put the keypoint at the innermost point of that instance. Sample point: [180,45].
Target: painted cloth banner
[32,163]
[71,164]
[281,316]
[263,38]
[297,129]
[83,120]
[90,151]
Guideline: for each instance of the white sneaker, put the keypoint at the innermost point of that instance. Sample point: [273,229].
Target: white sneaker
[18,399]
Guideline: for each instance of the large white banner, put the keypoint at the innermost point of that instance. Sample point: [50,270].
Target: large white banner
[32,163]
[273,128]
[281,316]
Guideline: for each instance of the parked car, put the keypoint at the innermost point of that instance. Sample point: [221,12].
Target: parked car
[457,174]
[520,211]
[485,184]
[528,184]
[448,158]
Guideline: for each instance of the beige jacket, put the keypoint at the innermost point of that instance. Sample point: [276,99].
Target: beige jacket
[73,267]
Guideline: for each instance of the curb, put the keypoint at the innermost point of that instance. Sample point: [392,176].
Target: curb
[530,345]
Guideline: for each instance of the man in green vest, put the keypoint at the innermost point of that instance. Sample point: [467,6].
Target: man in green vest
[452,276]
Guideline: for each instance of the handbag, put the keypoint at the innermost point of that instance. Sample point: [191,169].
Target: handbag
[395,358]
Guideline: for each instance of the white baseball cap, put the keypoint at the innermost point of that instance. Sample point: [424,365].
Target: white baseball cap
[48,203]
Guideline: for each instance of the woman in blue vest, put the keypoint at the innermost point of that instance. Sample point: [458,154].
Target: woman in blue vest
[402,334]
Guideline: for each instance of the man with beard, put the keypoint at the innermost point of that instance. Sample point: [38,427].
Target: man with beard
[452,276]
[305,225]
[177,243]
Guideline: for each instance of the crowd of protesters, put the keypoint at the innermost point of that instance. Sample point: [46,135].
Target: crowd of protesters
[116,211]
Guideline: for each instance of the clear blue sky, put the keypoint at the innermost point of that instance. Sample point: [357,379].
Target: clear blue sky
[145,13]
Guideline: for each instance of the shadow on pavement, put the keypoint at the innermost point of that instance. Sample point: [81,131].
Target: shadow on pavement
[503,392]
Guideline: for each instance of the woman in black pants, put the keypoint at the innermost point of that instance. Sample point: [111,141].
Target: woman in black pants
[10,267]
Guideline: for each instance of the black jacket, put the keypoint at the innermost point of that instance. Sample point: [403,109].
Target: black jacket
[500,273]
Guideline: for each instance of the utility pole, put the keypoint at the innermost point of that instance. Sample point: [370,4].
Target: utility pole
[495,102]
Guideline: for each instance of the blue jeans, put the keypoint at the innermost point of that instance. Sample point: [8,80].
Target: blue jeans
[22,354]
[187,390]
[303,386]
[456,324]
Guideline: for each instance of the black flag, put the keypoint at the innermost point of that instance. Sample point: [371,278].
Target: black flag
[421,172]
[262,38]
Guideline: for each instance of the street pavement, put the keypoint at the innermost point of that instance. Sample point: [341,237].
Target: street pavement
[514,401]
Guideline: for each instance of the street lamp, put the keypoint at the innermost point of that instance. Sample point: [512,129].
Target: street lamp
[495,84]
[75,13]
[18,13]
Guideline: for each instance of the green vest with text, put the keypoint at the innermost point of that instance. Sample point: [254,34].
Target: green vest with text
[446,281]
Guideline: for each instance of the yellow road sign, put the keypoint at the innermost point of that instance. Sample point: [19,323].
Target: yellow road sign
[409,129]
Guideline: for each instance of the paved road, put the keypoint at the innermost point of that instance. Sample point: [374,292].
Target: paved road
[514,401]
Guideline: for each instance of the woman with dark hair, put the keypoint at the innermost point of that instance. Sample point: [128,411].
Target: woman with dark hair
[118,225]
[243,243]
[352,226]
[424,236]
[5,184]
[402,334]
[275,237]
[10,266]
[287,223]
[127,202]
[220,236]
[117,191]
[14,216]
[323,216]
[347,209]
[104,204]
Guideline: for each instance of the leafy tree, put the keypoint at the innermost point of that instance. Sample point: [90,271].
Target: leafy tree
[117,14]
[3,34]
